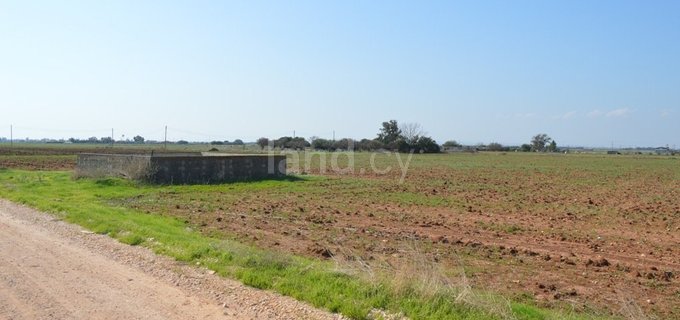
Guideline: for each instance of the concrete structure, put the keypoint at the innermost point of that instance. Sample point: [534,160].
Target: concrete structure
[182,168]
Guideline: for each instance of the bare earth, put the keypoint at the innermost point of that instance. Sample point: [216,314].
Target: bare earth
[53,270]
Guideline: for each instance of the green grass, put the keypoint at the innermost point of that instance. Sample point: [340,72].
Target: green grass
[92,204]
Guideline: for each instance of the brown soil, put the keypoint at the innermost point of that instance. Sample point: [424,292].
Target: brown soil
[58,162]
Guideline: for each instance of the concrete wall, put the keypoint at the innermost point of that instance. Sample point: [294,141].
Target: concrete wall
[212,169]
[187,168]
[131,166]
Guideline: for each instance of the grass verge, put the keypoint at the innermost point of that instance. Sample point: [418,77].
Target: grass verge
[89,203]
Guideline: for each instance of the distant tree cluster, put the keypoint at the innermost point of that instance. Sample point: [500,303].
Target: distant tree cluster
[346,144]
[296,143]
[452,144]
[495,146]
[410,137]
[541,143]
[263,142]
[104,140]
[135,140]
[237,142]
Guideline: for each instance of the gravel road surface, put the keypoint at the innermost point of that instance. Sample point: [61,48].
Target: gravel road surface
[50,269]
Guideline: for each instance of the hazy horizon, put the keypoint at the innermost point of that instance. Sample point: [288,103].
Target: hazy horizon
[586,73]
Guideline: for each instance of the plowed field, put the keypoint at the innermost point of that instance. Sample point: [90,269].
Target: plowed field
[591,231]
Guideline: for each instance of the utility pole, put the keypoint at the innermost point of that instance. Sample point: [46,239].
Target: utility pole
[333,135]
[111,137]
[11,136]
[293,133]
[165,140]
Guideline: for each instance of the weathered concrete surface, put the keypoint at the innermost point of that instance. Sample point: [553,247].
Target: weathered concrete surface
[187,168]
[212,169]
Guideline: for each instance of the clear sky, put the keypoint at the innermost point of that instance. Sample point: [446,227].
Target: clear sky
[586,73]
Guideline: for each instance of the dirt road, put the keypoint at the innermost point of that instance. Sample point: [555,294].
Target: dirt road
[53,270]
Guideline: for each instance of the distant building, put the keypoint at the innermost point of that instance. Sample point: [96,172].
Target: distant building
[663,151]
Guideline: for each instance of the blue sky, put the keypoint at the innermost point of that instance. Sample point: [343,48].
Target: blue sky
[586,73]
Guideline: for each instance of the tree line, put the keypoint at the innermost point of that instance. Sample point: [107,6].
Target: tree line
[237,142]
[141,140]
[407,137]
[107,140]
[539,143]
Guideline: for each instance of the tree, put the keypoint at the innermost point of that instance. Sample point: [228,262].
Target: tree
[344,144]
[297,143]
[282,142]
[138,139]
[411,131]
[238,142]
[263,142]
[182,142]
[525,147]
[389,133]
[495,146]
[553,146]
[369,145]
[451,144]
[322,144]
[427,145]
[216,143]
[539,142]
